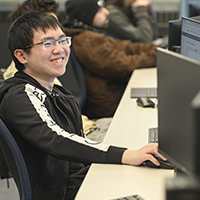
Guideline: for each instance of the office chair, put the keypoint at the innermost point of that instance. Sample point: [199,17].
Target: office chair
[15,162]
[74,80]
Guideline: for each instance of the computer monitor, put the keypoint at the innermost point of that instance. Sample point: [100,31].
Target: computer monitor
[174,38]
[194,8]
[190,38]
[174,34]
[184,7]
[178,83]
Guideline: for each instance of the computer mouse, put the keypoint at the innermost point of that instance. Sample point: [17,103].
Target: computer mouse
[145,102]
[163,164]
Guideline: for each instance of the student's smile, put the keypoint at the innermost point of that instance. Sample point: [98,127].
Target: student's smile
[58,60]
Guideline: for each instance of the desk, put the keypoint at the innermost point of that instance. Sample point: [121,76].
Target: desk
[129,128]
[130,124]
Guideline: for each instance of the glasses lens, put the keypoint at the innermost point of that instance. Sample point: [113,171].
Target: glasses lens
[65,41]
[48,45]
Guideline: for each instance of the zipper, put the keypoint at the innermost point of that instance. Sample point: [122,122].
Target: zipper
[55,103]
[54,100]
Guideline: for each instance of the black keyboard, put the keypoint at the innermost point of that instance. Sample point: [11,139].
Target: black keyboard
[143,92]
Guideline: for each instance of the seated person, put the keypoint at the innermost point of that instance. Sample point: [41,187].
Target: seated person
[45,119]
[107,62]
[94,129]
[131,20]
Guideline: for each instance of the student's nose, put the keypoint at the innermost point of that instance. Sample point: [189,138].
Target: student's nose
[58,47]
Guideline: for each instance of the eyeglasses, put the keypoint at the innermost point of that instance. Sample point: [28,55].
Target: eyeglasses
[49,45]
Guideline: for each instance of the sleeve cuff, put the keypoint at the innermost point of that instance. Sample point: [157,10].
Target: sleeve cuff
[114,155]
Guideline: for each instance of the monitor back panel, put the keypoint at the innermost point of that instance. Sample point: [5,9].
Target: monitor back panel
[178,83]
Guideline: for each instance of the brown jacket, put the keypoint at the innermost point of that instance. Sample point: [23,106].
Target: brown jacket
[108,64]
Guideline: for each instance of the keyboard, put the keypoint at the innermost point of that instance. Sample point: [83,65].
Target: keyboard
[143,92]
[132,197]
[153,135]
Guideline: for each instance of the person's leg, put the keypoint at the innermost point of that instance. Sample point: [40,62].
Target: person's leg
[75,180]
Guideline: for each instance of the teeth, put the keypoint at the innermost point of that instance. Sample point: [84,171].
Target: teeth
[58,61]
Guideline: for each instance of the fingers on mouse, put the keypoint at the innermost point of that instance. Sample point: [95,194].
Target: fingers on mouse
[163,164]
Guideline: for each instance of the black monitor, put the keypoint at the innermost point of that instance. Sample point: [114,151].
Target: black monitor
[178,83]
[190,38]
[194,9]
[174,38]
[184,7]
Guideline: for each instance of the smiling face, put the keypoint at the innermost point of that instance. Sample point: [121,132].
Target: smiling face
[45,66]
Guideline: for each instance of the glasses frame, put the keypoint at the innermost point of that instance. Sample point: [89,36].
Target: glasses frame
[54,43]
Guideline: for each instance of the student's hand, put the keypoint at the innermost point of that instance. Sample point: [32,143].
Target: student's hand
[137,157]
[138,3]
[145,3]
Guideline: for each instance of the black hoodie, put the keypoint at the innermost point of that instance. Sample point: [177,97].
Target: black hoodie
[48,129]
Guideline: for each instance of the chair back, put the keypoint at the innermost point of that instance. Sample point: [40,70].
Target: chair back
[15,162]
[74,80]
[81,78]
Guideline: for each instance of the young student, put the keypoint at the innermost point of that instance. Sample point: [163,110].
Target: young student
[45,119]
[95,129]
[107,62]
[131,20]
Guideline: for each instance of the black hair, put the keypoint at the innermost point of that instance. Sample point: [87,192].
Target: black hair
[21,31]
[48,6]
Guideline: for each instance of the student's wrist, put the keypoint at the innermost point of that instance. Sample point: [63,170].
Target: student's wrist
[140,9]
[125,157]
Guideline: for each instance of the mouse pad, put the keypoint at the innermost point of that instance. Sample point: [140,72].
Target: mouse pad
[143,92]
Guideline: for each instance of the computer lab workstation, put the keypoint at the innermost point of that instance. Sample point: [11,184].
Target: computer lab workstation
[173,115]
[162,105]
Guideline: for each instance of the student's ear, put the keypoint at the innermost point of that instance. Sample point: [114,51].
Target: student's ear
[20,55]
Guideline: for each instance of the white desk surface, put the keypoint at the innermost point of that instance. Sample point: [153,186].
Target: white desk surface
[129,128]
[130,124]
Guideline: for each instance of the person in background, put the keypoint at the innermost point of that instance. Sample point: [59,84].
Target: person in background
[107,62]
[131,20]
[45,119]
[93,128]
